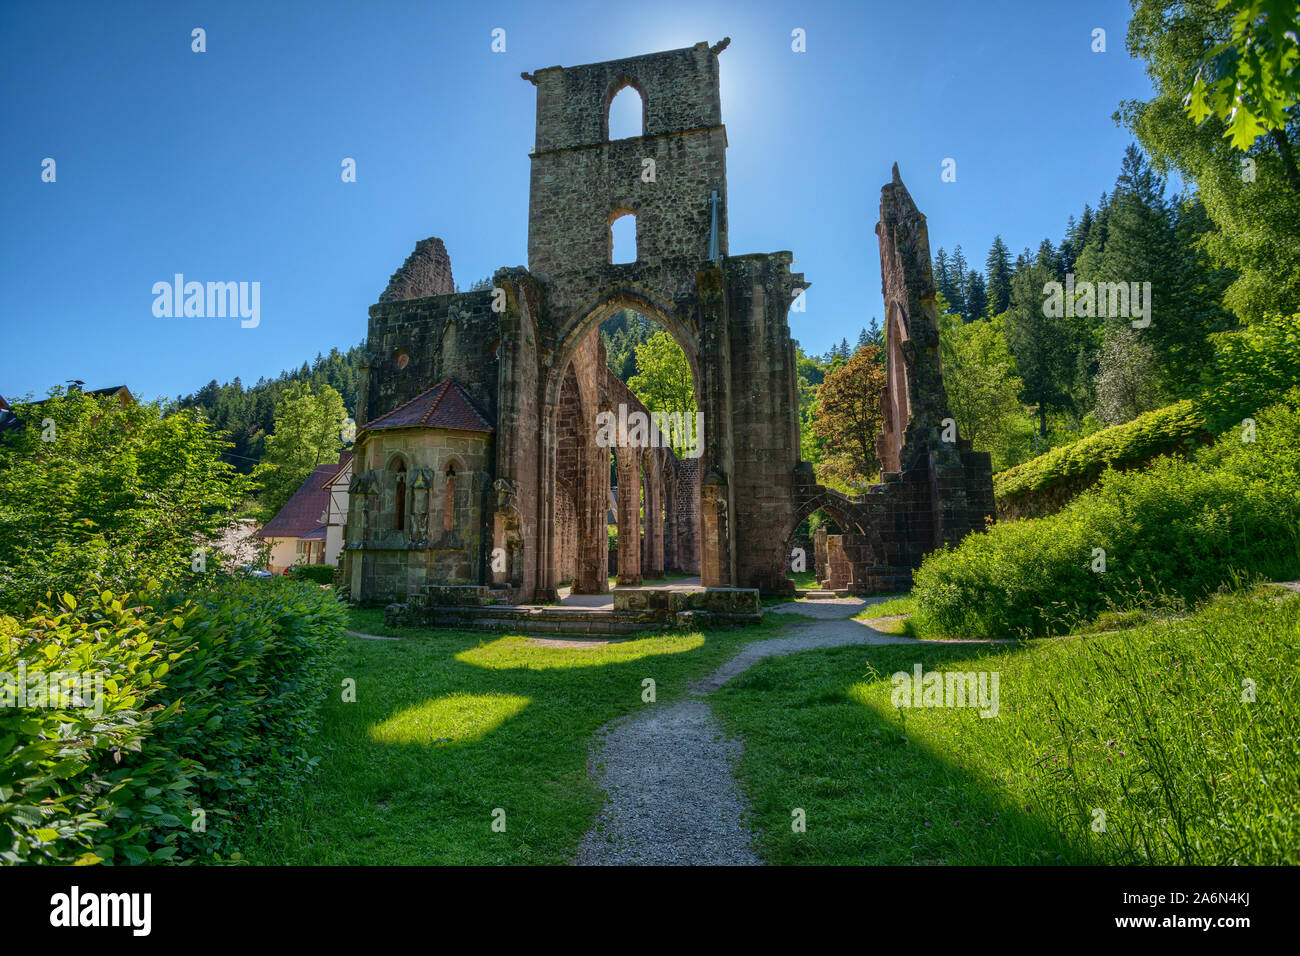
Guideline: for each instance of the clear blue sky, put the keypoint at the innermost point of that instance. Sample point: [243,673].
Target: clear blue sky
[225,165]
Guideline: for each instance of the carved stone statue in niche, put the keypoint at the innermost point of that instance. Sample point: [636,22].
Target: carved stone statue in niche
[365,486]
[510,523]
[420,507]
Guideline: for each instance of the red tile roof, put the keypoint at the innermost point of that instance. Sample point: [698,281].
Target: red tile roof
[302,513]
[446,405]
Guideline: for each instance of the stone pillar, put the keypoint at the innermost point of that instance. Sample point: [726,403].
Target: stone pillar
[819,554]
[592,573]
[672,560]
[688,519]
[715,571]
[839,569]
[763,406]
[546,544]
[629,516]
[652,564]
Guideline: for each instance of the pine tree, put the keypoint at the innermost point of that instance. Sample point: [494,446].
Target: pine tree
[1144,243]
[956,292]
[942,271]
[1044,348]
[1066,251]
[947,278]
[997,268]
[1047,256]
[959,266]
[977,301]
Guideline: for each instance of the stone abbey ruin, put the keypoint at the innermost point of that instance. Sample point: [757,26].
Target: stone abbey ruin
[477,473]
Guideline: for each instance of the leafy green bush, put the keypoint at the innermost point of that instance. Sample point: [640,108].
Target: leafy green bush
[316,573]
[213,698]
[1178,530]
[96,495]
[1251,368]
[1266,450]
[253,681]
[61,760]
[1175,427]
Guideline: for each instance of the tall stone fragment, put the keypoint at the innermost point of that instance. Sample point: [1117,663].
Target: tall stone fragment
[426,271]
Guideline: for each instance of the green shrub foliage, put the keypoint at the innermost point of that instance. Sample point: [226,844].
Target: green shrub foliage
[1251,368]
[1175,427]
[95,495]
[211,699]
[316,573]
[1179,529]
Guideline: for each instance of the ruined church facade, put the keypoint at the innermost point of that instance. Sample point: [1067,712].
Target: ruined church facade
[477,472]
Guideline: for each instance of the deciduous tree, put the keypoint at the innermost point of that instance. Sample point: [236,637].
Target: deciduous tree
[308,432]
[848,419]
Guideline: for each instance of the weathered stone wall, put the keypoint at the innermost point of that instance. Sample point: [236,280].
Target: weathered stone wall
[580,179]
[932,492]
[385,562]
[426,272]
[915,402]
[412,345]
[679,90]
[687,528]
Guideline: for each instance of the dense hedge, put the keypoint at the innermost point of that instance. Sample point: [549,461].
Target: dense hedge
[1252,367]
[316,573]
[210,702]
[1173,428]
[1179,529]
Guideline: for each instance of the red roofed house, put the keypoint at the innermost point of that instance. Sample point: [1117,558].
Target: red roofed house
[336,515]
[418,495]
[299,532]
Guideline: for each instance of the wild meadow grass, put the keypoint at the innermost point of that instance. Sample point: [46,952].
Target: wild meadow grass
[450,726]
[1175,742]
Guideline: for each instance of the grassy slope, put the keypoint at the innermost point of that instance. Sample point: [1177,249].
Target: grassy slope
[517,721]
[893,615]
[1146,724]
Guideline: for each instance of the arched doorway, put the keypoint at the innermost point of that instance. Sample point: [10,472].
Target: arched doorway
[836,535]
[605,450]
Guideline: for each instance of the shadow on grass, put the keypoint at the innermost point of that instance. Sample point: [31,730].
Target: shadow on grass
[471,733]
[871,791]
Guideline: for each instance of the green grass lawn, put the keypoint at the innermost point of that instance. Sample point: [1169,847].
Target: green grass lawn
[893,615]
[1147,725]
[448,726]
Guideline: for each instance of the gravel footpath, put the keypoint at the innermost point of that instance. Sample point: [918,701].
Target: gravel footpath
[672,796]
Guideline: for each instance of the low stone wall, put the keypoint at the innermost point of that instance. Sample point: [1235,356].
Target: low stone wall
[455,595]
[635,609]
[711,605]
